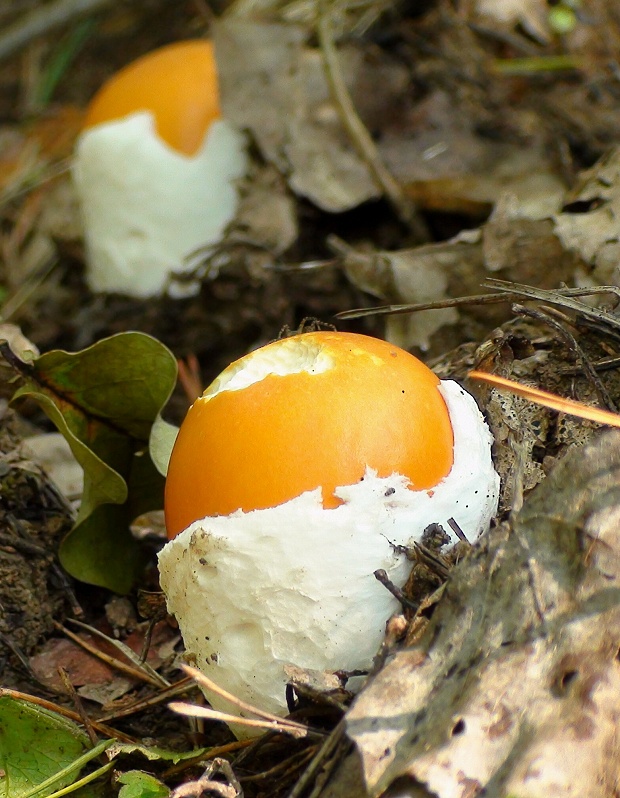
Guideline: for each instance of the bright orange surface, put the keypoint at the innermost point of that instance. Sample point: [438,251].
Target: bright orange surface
[260,446]
[178,83]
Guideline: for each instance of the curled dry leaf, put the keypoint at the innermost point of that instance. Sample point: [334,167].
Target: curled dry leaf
[509,243]
[588,223]
[403,276]
[532,15]
[274,85]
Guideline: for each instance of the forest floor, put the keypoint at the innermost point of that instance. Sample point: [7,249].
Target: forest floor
[488,152]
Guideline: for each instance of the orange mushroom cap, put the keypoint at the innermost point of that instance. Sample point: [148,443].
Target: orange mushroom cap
[340,402]
[177,83]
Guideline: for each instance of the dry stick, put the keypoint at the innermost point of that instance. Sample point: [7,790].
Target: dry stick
[195,711]
[382,577]
[26,547]
[562,298]
[102,728]
[17,652]
[458,531]
[129,670]
[44,19]
[79,707]
[570,340]
[204,681]
[415,307]
[326,751]
[207,783]
[184,685]
[294,762]
[217,751]
[433,560]
[356,129]
[28,290]
[267,720]
[483,299]
[126,651]
[604,364]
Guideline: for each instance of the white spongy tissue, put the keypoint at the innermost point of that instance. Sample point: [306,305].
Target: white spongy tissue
[294,584]
[146,207]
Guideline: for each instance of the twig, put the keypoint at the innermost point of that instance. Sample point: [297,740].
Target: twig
[107,731]
[17,652]
[356,129]
[77,703]
[458,531]
[506,295]
[184,685]
[415,307]
[44,19]
[436,563]
[207,783]
[268,720]
[25,547]
[135,659]
[563,298]
[219,750]
[323,762]
[604,364]
[596,382]
[189,377]
[292,764]
[381,576]
[67,590]
[278,725]
[129,670]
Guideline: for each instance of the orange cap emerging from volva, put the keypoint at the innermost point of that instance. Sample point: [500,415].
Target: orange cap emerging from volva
[337,403]
[177,83]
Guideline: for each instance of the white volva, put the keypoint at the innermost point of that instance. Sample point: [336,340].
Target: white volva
[146,207]
[255,591]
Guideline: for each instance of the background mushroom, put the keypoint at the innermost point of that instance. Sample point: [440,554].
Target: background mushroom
[155,169]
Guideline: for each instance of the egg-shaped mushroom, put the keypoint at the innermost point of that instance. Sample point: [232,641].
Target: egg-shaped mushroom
[155,169]
[305,467]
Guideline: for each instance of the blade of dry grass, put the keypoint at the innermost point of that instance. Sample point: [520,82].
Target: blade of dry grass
[550,400]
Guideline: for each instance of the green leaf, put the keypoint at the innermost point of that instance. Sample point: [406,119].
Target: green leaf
[154,753]
[105,400]
[137,784]
[100,551]
[35,745]
[163,436]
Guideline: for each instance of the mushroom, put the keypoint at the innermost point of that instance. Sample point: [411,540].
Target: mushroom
[155,169]
[305,467]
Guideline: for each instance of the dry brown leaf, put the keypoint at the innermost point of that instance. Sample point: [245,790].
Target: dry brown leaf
[274,85]
[446,165]
[514,688]
[589,224]
[97,680]
[532,15]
